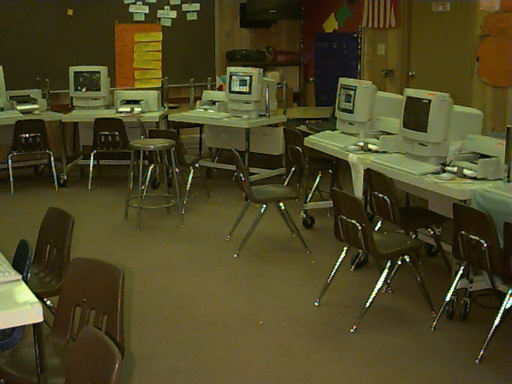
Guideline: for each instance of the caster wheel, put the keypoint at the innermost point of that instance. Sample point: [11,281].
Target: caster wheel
[155,183]
[450,309]
[463,309]
[63,182]
[430,250]
[359,260]
[308,222]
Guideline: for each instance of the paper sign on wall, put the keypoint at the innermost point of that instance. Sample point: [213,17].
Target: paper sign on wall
[138,8]
[440,6]
[193,7]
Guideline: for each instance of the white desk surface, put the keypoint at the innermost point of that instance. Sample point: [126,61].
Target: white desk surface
[18,305]
[458,189]
[235,122]
[10,118]
[88,115]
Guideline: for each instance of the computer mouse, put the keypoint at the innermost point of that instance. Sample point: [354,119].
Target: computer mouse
[446,176]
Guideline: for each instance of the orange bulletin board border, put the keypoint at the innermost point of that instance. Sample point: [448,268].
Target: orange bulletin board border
[124,46]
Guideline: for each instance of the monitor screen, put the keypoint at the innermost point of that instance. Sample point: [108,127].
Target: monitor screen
[347,98]
[240,83]
[87,81]
[416,114]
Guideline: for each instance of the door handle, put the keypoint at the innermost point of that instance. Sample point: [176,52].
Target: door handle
[412,74]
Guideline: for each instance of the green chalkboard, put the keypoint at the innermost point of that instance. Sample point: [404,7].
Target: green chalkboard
[39,39]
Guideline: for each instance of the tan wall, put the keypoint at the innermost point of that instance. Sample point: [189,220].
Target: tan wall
[496,103]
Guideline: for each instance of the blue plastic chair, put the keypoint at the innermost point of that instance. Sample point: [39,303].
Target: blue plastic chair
[10,337]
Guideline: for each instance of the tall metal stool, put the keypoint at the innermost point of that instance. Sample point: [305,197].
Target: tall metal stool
[158,151]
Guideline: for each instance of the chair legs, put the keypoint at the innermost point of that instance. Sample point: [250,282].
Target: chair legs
[285,215]
[391,268]
[332,274]
[52,164]
[507,303]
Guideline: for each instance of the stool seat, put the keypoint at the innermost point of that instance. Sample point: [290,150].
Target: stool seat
[152,144]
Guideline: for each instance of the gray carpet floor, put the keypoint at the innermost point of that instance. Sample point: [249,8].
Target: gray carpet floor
[194,314]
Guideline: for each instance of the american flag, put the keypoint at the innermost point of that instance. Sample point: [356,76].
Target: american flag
[379,14]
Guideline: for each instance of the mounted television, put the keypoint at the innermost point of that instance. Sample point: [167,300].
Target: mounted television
[273,10]
[355,101]
[89,86]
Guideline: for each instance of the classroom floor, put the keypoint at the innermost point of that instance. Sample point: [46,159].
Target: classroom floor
[194,314]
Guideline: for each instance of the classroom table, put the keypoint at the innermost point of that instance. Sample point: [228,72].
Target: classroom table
[78,116]
[439,194]
[247,125]
[18,307]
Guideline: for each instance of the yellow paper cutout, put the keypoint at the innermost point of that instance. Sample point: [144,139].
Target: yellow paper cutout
[331,24]
[153,46]
[148,74]
[147,64]
[148,83]
[147,55]
[147,36]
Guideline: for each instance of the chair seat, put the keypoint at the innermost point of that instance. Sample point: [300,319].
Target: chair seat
[19,366]
[43,285]
[273,193]
[151,144]
[394,244]
[414,218]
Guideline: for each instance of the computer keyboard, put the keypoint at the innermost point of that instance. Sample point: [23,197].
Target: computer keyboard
[7,272]
[403,163]
[320,126]
[206,113]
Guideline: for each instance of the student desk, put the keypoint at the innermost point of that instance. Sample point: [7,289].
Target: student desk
[247,125]
[19,306]
[77,116]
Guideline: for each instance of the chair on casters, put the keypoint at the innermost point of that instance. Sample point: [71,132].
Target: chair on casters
[382,201]
[30,138]
[310,164]
[110,142]
[394,247]
[10,337]
[52,254]
[476,248]
[183,160]
[92,294]
[93,358]
[264,195]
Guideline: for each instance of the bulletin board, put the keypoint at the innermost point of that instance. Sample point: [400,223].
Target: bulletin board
[41,39]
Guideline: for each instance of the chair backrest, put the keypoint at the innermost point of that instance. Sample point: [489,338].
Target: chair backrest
[297,161]
[353,224]
[53,247]
[171,135]
[475,239]
[29,136]
[293,138]
[93,358]
[242,176]
[109,134]
[10,337]
[92,294]
[23,259]
[380,196]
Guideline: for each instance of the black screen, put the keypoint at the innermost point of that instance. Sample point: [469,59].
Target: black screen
[416,113]
[87,81]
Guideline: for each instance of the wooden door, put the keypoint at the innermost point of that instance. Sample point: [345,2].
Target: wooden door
[442,47]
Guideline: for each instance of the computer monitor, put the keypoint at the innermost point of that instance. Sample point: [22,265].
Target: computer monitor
[249,93]
[355,100]
[89,86]
[3,93]
[426,115]
[387,112]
